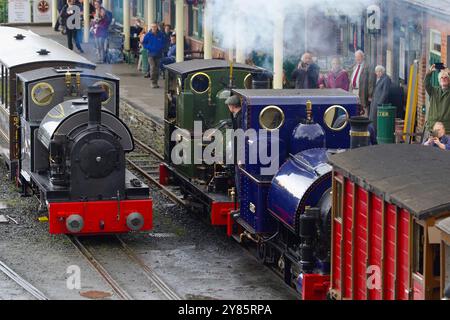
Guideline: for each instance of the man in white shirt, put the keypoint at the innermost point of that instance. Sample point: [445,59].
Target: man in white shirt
[362,82]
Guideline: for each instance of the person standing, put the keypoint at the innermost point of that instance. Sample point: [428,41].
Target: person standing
[154,42]
[171,54]
[100,30]
[235,108]
[362,82]
[68,20]
[61,4]
[337,78]
[380,94]
[306,76]
[439,99]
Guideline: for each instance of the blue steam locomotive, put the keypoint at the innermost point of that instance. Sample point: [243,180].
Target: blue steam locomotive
[285,203]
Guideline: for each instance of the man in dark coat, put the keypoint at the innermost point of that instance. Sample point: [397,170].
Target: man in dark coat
[306,76]
[234,105]
[380,94]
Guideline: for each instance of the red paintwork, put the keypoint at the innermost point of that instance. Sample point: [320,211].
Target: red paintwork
[96,211]
[163,174]
[221,215]
[315,287]
[349,266]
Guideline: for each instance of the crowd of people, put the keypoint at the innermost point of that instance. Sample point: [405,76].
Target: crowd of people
[372,85]
[100,20]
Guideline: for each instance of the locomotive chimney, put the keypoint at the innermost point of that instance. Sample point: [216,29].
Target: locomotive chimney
[359,134]
[95,105]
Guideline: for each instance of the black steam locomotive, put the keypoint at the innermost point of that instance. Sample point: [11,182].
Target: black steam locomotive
[66,146]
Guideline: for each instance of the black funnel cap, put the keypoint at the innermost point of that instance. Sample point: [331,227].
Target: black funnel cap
[359,134]
[95,104]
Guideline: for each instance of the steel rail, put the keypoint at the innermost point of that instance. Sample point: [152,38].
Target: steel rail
[165,289]
[121,293]
[28,287]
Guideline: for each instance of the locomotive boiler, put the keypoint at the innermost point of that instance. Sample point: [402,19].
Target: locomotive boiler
[79,169]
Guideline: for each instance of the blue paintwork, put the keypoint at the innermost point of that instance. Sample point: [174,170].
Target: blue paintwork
[295,183]
[307,136]
[254,195]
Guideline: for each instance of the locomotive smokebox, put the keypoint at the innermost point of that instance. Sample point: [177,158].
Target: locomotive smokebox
[359,134]
[95,94]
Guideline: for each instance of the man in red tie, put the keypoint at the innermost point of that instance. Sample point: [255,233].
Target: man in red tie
[363,81]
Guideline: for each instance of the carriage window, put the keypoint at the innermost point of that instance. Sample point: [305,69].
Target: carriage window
[200,83]
[419,242]
[338,198]
[336,118]
[271,118]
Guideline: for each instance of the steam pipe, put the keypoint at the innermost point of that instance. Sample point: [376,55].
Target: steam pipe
[95,105]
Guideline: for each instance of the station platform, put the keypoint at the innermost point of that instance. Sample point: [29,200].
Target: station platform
[135,90]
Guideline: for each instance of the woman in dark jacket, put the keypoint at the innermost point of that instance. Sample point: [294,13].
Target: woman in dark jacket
[71,23]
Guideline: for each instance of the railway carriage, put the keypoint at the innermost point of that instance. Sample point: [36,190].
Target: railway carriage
[22,51]
[388,202]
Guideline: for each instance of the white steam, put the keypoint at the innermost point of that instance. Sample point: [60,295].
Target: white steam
[252,22]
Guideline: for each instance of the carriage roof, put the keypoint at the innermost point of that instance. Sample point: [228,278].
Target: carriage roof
[14,52]
[195,65]
[412,177]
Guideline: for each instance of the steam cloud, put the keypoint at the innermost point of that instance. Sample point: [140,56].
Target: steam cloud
[253,21]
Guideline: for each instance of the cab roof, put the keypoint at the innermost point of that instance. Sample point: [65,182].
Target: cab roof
[195,65]
[15,52]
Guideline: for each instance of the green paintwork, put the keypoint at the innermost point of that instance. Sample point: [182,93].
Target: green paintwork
[386,124]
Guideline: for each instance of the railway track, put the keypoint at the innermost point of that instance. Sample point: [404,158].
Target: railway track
[24,284]
[146,161]
[166,291]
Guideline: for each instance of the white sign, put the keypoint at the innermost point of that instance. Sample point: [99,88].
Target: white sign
[42,11]
[402,59]
[19,11]
[374,18]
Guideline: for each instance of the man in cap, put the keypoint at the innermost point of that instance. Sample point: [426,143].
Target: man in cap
[234,105]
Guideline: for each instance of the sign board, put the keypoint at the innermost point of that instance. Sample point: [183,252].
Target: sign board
[373,19]
[19,11]
[42,11]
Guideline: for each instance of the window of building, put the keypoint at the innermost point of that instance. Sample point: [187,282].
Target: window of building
[435,42]
[196,20]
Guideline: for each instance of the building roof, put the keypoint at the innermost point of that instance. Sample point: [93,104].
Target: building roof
[413,177]
[441,7]
[14,52]
[190,66]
